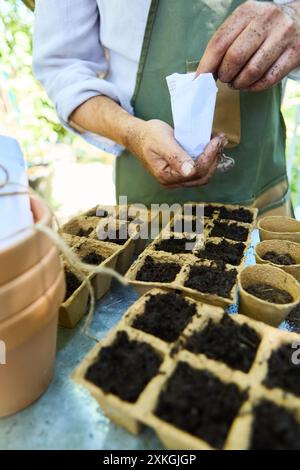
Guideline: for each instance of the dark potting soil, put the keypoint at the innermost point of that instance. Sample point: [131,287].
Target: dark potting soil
[93,258]
[208,210]
[235,345]
[72,283]
[192,226]
[293,320]
[124,368]
[84,232]
[232,231]
[274,428]
[117,238]
[153,271]
[282,372]
[165,316]
[280,259]
[231,253]
[212,280]
[269,293]
[198,402]
[175,245]
[240,215]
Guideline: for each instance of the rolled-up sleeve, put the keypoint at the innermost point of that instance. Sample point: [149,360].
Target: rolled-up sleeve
[69,60]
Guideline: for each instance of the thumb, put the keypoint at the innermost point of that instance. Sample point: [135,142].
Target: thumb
[208,64]
[216,146]
[179,160]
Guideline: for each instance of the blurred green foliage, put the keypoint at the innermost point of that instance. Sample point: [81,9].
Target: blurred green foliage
[36,120]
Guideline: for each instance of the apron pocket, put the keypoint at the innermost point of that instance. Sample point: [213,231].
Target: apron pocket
[228,110]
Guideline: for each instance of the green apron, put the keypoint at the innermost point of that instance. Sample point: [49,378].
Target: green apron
[176,35]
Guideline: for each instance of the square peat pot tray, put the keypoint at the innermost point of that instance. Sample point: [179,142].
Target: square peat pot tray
[200,378]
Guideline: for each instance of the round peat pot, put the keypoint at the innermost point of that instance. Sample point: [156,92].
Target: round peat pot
[30,286]
[29,249]
[279,228]
[28,347]
[280,247]
[268,312]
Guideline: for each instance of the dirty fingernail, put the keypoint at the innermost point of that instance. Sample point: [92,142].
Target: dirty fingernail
[187,169]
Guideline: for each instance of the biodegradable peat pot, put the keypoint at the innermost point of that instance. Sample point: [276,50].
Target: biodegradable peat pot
[27,288]
[30,344]
[30,249]
[267,312]
[75,307]
[279,228]
[280,247]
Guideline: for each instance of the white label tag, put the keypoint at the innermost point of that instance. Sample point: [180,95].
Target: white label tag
[193,107]
[15,212]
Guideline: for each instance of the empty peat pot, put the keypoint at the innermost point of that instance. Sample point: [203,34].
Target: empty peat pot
[279,228]
[29,249]
[281,248]
[265,275]
[28,348]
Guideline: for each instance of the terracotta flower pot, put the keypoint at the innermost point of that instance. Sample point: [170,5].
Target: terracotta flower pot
[279,228]
[29,250]
[30,286]
[30,345]
[261,310]
[280,247]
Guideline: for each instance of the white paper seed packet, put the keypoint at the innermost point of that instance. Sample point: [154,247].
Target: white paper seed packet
[193,103]
[15,212]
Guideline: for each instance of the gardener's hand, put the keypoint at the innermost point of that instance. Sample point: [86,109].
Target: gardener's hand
[153,142]
[256,47]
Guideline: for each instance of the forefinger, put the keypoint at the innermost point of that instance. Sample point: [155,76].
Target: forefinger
[224,37]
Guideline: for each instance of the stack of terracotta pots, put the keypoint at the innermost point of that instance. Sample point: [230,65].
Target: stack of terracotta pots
[32,287]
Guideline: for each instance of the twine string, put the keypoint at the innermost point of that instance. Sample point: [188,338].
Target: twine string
[82,270]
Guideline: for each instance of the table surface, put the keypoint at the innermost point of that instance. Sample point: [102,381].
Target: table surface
[66,416]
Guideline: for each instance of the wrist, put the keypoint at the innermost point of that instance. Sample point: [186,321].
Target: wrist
[133,136]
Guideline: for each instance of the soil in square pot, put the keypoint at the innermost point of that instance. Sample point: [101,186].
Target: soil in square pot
[72,283]
[93,258]
[152,271]
[124,368]
[274,428]
[84,232]
[240,214]
[115,238]
[212,280]
[176,245]
[165,316]
[269,293]
[191,226]
[230,253]
[282,373]
[209,210]
[81,226]
[284,259]
[229,342]
[232,231]
[197,402]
